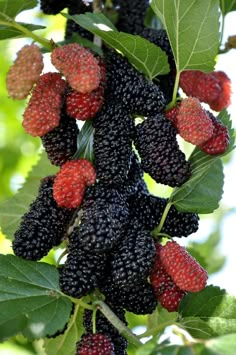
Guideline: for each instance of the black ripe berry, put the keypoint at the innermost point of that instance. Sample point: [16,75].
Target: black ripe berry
[43,226]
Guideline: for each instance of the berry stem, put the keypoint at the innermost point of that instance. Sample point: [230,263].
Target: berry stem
[94,320]
[116,322]
[157,230]
[11,23]
[156,330]
[79,302]
[61,256]
[175,91]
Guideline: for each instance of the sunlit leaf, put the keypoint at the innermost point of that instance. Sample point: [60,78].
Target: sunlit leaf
[209,313]
[193,31]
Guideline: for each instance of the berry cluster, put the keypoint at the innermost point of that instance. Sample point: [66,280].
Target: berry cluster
[103,209]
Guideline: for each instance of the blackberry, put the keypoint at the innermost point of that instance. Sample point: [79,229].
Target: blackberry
[104,219]
[43,226]
[148,210]
[52,7]
[135,182]
[132,261]
[139,298]
[75,8]
[160,155]
[113,144]
[131,15]
[125,84]
[61,143]
[82,270]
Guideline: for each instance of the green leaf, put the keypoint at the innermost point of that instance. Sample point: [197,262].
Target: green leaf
[206,181]
[11,32]
[85,142]
[66,343]
[13,209]
[13,8]
[143,55]
[209,313]
[227,6]
[222,345]
[193,30]
[30,299]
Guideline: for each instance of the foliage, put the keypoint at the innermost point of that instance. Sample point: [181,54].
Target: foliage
[31,302]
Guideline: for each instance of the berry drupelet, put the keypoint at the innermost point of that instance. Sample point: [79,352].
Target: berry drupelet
[95,344]
[43,226]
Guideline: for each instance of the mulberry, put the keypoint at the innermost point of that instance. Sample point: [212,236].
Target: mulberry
[43,112]
[43,226]
[25,72]
[95,344]
[82,270]
[159,151]
[131,15]
[125,84]
[61,143]
[104,219]
[132,261]
[78,65]
[113,144]
[184,270]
